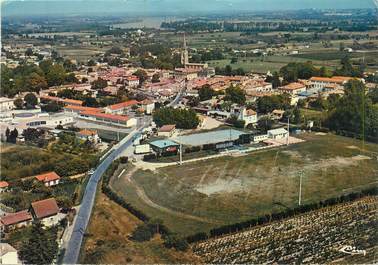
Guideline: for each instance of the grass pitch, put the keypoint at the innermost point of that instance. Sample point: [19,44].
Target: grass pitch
[198,196]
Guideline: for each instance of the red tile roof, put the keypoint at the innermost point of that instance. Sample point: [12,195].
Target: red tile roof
[46,177]
[15,218]
[82,108]
[4,184]
[132,78]
[293,86]
[87,132]
[45,208]
[112,117]
[167,128]
[123,105]
[335,79]
[64,100]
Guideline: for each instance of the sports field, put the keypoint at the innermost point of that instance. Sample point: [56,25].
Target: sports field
[199,196]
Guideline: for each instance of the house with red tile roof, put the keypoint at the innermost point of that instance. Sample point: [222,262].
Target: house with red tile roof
[78,109]
[4,185]
[49,179]
[120,108]
[15,220]
[46,211]
[90,135]
[132,81]
[112,119]
[167,130]
[293,88]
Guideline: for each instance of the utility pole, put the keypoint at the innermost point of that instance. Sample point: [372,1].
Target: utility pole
[180,154]
[300,188]
[288,131]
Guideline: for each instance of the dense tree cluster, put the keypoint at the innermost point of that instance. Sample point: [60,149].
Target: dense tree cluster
[355,113]
[235,94]
[33,78]
[182,118]
[267,104]
[206,92]
[41,247]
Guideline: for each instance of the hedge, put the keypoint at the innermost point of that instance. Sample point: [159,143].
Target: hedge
[232,228]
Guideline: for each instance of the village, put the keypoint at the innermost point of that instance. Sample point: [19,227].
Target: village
[74,117]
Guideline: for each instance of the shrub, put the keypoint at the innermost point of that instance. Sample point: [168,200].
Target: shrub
[124,159]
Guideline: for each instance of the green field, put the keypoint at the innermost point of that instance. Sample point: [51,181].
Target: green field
[198,196]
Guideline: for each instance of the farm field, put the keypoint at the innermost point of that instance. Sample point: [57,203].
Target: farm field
[107,239]
[196,197]
[313,237]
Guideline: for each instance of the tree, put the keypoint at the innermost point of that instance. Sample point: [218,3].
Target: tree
[71,78]
[36,82]
[29,52]
[267,104]
[41,247]
[142,75]
[32,134]
[142,233]
[56,75]
[90,102]
[206,92]
[99,84]
[234,60]
[52,106]
[235,95]
[276,82]
[264,124]
[155,78]
[19,103]
[354,112]
[30,100]
[373,95]
[12,136]
[341,46]
[173,241]
[91,62]
[69,66]
[234,121]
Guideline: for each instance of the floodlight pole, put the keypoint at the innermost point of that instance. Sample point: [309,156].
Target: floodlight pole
[288,131]
[300,189]
[180,154]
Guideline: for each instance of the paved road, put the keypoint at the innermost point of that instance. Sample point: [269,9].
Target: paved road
[72,252]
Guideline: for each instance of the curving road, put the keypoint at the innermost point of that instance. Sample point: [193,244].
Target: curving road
[72,252]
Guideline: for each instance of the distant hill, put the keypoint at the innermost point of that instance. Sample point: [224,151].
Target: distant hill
[168,7]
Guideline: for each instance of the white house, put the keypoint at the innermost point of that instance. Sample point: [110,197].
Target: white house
[167,130]
[6,104]
[279,133]
[49,179]
[90,135]
[132,81]
[247,115]
[8,254]
[148,106]
[293,88]
[319,83]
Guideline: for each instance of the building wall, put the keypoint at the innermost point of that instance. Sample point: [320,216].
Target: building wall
[10,258]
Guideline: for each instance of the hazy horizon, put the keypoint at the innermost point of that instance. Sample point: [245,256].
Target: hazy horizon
[166,7]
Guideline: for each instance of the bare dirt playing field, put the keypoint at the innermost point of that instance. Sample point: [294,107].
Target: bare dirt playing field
[202,195]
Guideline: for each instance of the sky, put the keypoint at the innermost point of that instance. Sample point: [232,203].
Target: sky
[157,7]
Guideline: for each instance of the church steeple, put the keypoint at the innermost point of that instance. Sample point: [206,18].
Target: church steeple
[185,54]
